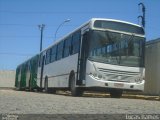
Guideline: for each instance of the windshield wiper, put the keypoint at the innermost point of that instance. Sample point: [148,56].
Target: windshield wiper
[131,37]
[119,47]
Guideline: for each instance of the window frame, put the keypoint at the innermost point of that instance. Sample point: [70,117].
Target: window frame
[75,44]
[54,48]
[48,56]
[60,49]
[67,46]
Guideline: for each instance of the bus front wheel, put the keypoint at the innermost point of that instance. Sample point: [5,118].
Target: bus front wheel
[75,91]
[116,93]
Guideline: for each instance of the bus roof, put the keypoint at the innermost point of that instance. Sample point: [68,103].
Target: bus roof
[115,20]
[90,23]
[36,55]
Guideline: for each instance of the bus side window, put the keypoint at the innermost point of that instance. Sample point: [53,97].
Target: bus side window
[76,42]
[60,50]
[53,53]
[67,46]
[48,55]
[40,60]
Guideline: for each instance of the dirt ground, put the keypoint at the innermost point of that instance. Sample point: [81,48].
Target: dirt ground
[35,104]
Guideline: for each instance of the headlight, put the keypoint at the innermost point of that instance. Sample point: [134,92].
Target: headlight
[138,80]
[97,75]
[94,74]
[100,76]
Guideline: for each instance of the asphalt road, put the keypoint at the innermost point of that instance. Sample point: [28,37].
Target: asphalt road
[21,102]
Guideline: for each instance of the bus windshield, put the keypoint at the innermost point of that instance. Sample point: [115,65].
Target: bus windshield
[116,48]
[118,26]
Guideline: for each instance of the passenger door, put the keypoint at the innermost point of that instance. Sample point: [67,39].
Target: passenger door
[83,58]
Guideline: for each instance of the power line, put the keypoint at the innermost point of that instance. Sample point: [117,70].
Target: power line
[12,24]
[32,25]
[15,54]
[24,37]
[62,12]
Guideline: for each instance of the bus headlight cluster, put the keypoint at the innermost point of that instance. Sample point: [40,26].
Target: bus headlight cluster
[97,75]
[138,80]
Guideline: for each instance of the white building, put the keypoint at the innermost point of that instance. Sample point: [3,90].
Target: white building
[152,65]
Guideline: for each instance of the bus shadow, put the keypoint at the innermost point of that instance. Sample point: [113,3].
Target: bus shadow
[68,94]
[85,94]
[99,95]
[107,95]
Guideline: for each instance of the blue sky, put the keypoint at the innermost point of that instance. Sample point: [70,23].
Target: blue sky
[19,20]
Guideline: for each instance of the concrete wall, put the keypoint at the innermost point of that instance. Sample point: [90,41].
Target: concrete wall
[152,65]
[7,78]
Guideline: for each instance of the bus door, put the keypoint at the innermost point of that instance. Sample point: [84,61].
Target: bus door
[82,59]
[42,68]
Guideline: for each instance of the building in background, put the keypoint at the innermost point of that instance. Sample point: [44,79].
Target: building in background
[7,78]
[152,65]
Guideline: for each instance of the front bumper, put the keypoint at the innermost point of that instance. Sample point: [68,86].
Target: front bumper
[93,82]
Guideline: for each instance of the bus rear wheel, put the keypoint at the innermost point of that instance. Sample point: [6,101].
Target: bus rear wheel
[48,90]
[19,85]
[116,93]
[75,91]
[46,85]
[30,86]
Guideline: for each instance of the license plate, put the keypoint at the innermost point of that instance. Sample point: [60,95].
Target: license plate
[118,84]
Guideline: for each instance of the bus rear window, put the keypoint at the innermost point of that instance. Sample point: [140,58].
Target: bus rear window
[118,26]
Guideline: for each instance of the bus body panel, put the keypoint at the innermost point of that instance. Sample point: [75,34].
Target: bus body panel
[92,82]
[58,71]
[114,76]
[26,74]
[96,74]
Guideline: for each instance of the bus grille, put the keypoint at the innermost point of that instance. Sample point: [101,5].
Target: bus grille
[120,76]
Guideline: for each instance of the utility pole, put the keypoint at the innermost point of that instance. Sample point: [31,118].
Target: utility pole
[41,27]
[143,14]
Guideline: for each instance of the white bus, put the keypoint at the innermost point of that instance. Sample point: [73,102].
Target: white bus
[102,53]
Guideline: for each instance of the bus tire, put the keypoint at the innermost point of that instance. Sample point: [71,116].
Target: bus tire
[116,93]
[30,86]
[19,85]
[51,90]
[46,85]
[75,91]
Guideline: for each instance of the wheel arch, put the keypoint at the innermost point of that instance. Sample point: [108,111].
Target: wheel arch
[72,73]
[45,78]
